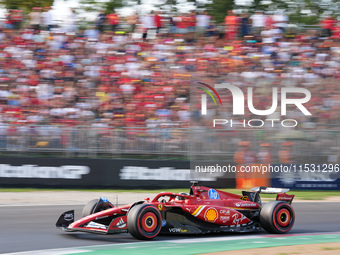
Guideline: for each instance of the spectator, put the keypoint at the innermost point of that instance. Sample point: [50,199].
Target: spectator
[113,21]
[100,21]
[327,25]
[258,22]
[72,22]
[132,21]
[35,18]
[202,22]
[286,154]
[71,78]
[264,156]
[148,23]
[231,25]
[17,18]
[47,18]
[158,21]
[91,33]
[181,24]
[9,21]
[280,20]
[244,155]
[192,21]
[244,20]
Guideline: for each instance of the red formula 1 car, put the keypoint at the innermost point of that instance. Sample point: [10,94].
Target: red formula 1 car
[203,210]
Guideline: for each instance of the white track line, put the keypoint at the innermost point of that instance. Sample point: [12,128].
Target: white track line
[19,205]
[63,251]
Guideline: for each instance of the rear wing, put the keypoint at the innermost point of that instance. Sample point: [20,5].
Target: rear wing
[281,193]
[269,190]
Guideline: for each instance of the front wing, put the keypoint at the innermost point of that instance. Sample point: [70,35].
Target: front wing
[110,221]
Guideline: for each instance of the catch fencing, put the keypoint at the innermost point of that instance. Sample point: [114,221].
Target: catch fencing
[166,142]
[92,142]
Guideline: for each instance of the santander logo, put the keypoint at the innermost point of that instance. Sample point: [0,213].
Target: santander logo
[246,205]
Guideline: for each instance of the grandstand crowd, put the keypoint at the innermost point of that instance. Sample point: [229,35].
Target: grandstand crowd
[136,71]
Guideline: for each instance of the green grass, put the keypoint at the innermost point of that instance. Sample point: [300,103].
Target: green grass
[331,248]
[305,195]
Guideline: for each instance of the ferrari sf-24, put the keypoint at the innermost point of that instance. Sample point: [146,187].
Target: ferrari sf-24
[202,210]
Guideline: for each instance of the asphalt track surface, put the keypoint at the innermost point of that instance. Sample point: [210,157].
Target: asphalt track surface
[26,228]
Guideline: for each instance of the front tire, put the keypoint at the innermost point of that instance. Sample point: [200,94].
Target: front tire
[277,217]
[144,221]
[95,206]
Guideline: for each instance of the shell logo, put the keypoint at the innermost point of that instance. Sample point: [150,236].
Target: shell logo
[211,214]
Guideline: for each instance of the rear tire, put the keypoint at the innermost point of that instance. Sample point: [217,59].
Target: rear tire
[144,221]
[277,217]
[91,207]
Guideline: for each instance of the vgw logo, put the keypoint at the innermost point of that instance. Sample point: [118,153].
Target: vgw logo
[239,102]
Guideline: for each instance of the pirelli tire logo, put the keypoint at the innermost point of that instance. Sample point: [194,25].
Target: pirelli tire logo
[44,172]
